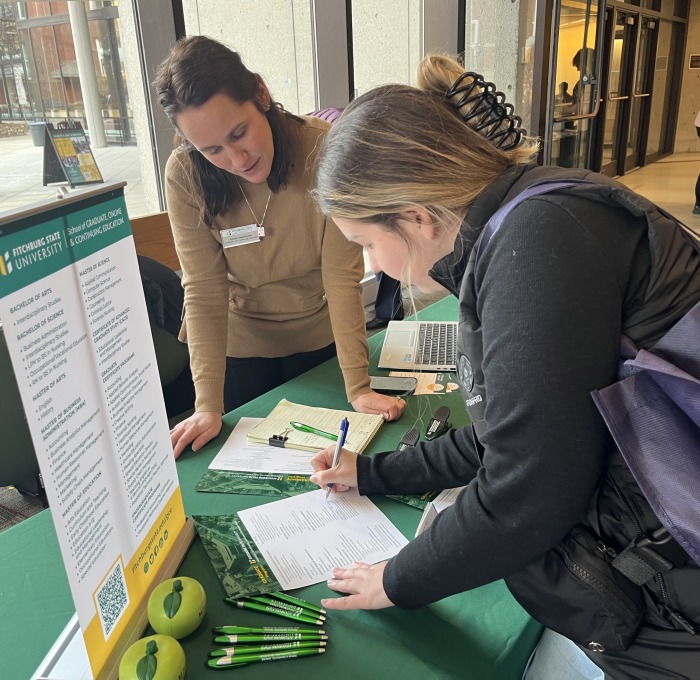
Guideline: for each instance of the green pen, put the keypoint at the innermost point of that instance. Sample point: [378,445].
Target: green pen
[238,630]
[312,430]
[254,606]
[261,649]
[267,637]
[296,600]
[295,609]
[229,662]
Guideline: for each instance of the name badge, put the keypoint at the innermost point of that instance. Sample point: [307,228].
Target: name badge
[241,236]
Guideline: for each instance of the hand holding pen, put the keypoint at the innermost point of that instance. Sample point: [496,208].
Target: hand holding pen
[342,435]
[342,475]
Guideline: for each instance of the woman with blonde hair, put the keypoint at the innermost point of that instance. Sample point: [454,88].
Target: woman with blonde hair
[552,267]
[271,287]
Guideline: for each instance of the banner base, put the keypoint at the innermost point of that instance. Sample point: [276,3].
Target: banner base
[139,621]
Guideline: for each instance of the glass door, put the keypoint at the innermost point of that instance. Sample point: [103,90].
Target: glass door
[630,41]
[620,44]
[641,91]
[574,88]
[665,92]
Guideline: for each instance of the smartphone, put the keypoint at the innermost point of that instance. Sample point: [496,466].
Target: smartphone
[391,385]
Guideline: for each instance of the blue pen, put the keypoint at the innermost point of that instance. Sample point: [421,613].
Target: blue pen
[342,435]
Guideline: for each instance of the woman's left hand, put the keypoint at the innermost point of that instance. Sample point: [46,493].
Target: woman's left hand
[390,408]
[364,584]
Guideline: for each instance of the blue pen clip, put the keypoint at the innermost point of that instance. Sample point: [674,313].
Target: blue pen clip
[342,436]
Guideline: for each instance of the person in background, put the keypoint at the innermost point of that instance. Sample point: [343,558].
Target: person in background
[388,305]
[696,209]
[414,175]
[269,282]
[583,62]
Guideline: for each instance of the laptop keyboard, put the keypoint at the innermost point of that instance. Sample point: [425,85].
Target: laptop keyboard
[437,344]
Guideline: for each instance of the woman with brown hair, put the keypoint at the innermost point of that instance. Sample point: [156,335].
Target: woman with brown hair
[272,288]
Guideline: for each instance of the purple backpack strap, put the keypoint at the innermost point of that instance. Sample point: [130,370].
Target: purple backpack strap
[330,114]
[545,187]
[494,224]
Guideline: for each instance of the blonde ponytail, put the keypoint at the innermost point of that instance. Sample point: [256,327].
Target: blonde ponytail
[437,73]
[478,103]
[397,147]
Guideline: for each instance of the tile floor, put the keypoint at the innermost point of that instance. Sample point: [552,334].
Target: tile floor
[670,183]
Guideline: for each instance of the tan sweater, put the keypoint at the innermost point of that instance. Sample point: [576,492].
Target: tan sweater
[297,290]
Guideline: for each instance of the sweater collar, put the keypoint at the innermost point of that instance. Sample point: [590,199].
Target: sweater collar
[448,271]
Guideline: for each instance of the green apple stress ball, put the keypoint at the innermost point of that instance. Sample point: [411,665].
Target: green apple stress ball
[176,606]
[158,657]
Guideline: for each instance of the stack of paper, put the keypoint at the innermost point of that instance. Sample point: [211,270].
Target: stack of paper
[443,500]
[362,427]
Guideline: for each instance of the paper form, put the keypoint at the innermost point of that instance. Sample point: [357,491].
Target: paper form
[240,455]
[446,498]
[442,501]
[302,538]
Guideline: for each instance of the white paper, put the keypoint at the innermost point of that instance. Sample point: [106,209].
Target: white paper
[446,498]
[240,455]
[304,537]
[442,501]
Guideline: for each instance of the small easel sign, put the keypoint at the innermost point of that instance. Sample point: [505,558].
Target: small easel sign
[68,156]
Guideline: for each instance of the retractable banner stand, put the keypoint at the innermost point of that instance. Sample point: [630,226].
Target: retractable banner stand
[76,325]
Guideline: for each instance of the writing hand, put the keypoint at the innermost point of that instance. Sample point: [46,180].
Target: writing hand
[197,430]
[390,408]
[342,477]
[364,584]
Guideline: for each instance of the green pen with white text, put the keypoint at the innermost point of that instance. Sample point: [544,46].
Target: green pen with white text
[296,600]
[259,649]
[230,662]
[294,609]
[274,637]
[254,606]
[233,630]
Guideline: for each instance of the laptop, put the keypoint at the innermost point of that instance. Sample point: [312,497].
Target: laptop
[420,346]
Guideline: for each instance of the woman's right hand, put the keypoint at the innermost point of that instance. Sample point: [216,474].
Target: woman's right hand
[197,430]
[343,476]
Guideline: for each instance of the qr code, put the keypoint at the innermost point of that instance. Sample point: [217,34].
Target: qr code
[112,599]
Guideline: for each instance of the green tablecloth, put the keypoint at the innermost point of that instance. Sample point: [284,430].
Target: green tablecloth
[480,635]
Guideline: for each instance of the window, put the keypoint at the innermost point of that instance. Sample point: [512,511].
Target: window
[63,62]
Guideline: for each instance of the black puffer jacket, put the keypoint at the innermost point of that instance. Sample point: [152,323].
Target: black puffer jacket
[540,323]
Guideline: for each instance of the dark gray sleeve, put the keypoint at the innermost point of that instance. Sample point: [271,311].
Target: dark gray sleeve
[550,300]
[445,463]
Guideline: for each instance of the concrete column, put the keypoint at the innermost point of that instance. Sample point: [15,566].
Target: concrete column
[491,42]
[440,30]
[86,73]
